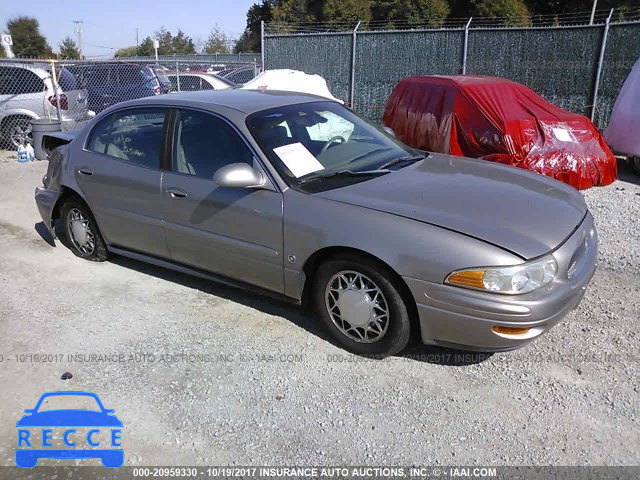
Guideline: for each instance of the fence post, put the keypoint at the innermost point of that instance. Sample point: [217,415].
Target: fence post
[56,91]
[177,75]
[352,91]
[603,47]
[466,45]
[262,42]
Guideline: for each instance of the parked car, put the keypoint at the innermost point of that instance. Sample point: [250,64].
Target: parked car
[240,75]
[163,79]
[500,121]
[290,81]
[621,133]
[386,241]
[27,93]
[111,83]
[190,82]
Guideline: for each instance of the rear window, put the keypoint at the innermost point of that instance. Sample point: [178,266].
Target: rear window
[162,75]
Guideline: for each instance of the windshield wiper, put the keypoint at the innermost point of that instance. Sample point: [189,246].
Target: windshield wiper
[345,173]
[395,161]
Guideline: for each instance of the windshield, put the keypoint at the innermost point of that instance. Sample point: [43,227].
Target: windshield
[318,139]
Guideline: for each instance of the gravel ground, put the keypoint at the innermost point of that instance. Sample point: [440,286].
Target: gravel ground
[213,375]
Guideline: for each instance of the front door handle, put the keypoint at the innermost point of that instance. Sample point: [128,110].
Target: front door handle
[85,171]
[176,193]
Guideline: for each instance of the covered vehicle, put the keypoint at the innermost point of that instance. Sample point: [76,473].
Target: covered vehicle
[291,81]
[501,121]
[621,134]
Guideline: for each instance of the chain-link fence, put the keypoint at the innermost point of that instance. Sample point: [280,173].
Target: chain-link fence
[72,92]
[577,67]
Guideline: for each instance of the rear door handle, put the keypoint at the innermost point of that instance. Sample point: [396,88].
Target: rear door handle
[85,171]
[176,193]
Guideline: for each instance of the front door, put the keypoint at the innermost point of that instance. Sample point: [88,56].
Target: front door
[234,232]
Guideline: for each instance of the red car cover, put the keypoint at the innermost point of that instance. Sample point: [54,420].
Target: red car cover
[501,121]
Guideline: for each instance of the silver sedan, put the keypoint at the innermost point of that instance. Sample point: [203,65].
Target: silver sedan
[300,198]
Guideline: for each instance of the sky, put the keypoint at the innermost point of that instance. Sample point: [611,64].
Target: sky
[112,23]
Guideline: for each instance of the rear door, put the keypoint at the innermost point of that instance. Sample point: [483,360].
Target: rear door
[234,232]
[121,175]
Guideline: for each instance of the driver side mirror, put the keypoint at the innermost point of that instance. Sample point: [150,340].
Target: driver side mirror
[239,175]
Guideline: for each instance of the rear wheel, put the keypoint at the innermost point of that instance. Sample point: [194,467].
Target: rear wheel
[17,130]
[635,164]
[81,231]
[360,303]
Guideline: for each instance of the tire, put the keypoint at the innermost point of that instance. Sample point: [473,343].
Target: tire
[375,292]
[91,246]
[15,130]
[635,164]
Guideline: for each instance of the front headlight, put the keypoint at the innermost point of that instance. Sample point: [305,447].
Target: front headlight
[508,280]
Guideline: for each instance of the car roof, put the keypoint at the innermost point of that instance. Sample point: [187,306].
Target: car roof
[245,101]
[39,69]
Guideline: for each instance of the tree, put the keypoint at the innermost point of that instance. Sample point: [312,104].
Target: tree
[512,13]
[165,41]
[27,39]
[431,13]
[346,12]
[145,49]
[127,52]
[249,41]
[217,42]
[182,43]
[69,49]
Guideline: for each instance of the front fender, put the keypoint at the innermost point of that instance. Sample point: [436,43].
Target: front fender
[411,248]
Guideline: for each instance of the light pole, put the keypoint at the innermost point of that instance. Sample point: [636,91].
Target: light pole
[78,30]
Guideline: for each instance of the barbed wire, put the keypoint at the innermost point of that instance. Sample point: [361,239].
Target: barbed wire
[536,20]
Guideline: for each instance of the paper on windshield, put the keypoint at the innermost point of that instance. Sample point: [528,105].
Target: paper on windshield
[298,159]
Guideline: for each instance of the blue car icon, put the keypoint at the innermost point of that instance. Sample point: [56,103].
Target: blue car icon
[69,418]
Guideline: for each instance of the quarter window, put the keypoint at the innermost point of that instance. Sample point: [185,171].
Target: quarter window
[204,143]
[131,135]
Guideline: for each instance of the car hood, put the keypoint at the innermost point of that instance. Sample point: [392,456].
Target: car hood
[520,211]
[69,418]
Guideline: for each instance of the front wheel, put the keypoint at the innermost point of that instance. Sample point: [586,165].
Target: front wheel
[635,164]
[81,231]
[360,303]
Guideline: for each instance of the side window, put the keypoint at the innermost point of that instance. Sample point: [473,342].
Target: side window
[204,85]
[25,81]
[189,83]
[5,81]
[131,135]
[204,143]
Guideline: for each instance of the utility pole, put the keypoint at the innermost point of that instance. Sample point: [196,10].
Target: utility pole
[137,44]
[79,32]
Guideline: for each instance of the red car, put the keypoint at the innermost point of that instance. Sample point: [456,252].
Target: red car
[501,121]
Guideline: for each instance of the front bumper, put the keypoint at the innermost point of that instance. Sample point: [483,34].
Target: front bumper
[462,318]
[46,202]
